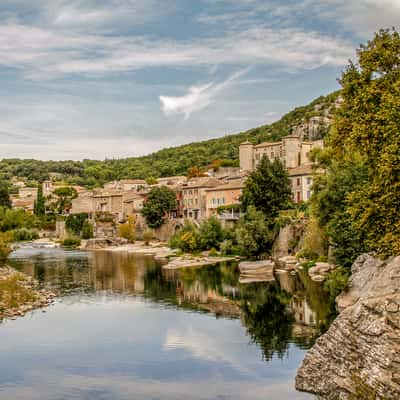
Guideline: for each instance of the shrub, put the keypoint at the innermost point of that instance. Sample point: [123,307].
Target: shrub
[148,236]
[337,281]
[127,231]
[24,234]
[72,242]
[87,230]
[5,251]
[74,223]
[211,234]
[213,253]
[186,239]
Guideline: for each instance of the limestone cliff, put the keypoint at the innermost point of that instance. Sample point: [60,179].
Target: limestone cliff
[359,356]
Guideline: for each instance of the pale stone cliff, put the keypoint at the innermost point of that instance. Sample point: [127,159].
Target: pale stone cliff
[359,356]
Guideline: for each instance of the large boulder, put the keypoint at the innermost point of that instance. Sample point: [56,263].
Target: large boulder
[359,356]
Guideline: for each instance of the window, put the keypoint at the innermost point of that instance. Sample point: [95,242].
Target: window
[298,181]
[308,195]
[196,201]
[309,181]
[196,191]
[257,157]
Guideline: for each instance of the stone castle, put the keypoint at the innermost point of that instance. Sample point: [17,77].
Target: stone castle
[292,151]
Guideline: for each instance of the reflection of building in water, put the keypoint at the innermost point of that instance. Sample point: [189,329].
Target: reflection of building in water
[302,312]
[208,299]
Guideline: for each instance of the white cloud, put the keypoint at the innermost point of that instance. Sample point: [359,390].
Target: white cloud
[45,53]
[197,97]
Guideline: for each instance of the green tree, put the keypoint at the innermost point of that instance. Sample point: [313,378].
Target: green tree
[366,130]
[160,201]
[128,231]
[267,188]
[4,195]
[74,223]
[40,206]
[64,198]
[253,234]
[151,180]
[187,238]
[87,230]
[211,233]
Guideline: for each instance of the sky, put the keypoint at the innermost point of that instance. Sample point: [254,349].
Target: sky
[96,79]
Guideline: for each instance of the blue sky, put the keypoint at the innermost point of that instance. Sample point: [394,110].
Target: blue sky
[101,79]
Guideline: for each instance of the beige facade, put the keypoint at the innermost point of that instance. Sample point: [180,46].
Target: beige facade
[126,185]
[194,197]
[301,179]
[223,195]
[291,151]
[132,203]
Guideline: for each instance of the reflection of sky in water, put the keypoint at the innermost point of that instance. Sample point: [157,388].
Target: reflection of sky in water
[125,347]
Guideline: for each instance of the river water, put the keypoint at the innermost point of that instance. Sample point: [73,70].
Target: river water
[122,328]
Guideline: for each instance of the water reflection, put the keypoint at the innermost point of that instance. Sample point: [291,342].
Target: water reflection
[293,309]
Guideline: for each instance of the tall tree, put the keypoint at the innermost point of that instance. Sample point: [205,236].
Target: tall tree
[367,128]
[160,201]
[267,188]
[40,207]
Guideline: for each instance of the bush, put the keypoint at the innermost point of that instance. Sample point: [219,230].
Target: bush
[148,236]
[186,239]
[24,234]
[87,230]
[5,251]
[127,231]
[72,242]
[211,234]
[74,223]
[337,282]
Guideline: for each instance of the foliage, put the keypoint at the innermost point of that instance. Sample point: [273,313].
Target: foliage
[104,217]
[227,248]
[148,235]
[71,242]
[11,219]
[74,223]
[186,239]
[40,203]
[64,196]
[87,230]
[24,234]
[314,241]
[5,250]
[336,282]
[128,231]
[166,162]
[229,208]
[160,201]
[195,172]
[151,180]
[253,234]
[211,234]
[365,141]
[267,188]
[4,195]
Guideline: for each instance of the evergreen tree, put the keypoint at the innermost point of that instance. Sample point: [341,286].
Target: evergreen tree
[40,207]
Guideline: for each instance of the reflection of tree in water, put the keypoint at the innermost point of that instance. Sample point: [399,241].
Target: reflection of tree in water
[266,317]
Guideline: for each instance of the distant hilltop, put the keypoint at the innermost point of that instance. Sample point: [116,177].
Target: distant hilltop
[308,123]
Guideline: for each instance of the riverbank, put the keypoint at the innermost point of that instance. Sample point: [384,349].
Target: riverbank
[19,294]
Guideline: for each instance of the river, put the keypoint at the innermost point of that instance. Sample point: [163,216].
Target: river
[123,328]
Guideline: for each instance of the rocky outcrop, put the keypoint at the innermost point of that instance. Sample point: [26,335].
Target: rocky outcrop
[359,356]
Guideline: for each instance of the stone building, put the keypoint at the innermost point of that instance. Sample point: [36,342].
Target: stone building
[126,185]
[224,195]
[301,179]
[194,197]
[291,151]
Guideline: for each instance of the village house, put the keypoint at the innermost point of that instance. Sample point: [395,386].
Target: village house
[301,179]
[194,197]
[172,181]
[127,185]
[224,195]
[291,151]
[25,199]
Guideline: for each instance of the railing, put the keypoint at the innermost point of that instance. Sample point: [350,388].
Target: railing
[230,216]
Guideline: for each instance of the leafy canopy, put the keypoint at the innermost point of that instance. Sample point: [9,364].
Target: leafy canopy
[267,188]
[160,201]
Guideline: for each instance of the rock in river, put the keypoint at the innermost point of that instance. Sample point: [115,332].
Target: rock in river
[359,356]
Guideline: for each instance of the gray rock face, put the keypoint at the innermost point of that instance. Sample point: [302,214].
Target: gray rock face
[359,356]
